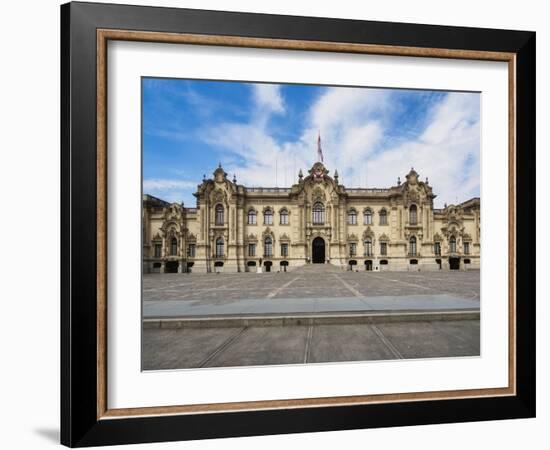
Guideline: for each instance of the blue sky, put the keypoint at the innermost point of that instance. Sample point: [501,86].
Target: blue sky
[264,133]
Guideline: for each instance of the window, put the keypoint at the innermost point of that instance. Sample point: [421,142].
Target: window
[284,250]
[466,248]
[437,248]
[284,217]
[352,249]
[219,247]
[368,247]
[268,217]
[352,217]
[412,246]
[251,249]
[383,217]
[318,214]
[452,244]
[367,217]
[158,250]
[412,215]
[268,246]
[219,215]
[174,247]
[251,217]
[383,248]
[191,250]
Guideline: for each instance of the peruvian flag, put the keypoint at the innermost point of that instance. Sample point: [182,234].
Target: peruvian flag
[319,150]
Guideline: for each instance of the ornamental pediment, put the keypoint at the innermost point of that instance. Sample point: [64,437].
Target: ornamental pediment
[284,238]
[368,233]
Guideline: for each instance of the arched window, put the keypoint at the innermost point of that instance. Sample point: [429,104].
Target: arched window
[268,246]
[352,217]
[284,217]
[251,217]
[174,247]
[368,247]
[318,213]
[219,215]
[452,244]
[367,217]
[412,246]
[412,215]
[268,217]
[219,247]
[383,217]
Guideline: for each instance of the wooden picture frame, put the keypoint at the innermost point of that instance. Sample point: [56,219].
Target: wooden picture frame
[86,418]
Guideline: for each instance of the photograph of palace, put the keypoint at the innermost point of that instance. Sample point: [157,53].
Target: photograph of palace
[308,224]
[315,221]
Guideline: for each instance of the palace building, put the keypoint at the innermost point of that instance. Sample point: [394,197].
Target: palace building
[235,228]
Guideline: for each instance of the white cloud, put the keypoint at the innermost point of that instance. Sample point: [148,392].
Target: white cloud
[268,97]
[447,152]
[163,184]
[354,126]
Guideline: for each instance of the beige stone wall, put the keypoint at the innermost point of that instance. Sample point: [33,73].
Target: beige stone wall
[338,234]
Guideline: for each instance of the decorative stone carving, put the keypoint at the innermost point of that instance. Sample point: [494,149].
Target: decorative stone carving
[368,233]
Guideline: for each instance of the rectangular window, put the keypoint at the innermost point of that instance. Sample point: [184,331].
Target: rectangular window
[284,218]
[353,249]
[191,250]
[383,248]
[466,248]
[437,248]
[251,249]
[158,249]
[284,250]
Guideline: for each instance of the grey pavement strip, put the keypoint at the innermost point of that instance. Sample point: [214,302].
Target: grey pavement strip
[263,306]
[386,342]
[222,347]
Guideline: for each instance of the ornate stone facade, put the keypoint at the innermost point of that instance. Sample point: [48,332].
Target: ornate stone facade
[237,228]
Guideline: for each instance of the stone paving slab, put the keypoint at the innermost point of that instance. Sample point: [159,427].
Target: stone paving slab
[260,346]
[184,308]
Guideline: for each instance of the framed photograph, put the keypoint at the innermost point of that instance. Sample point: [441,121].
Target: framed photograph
[277,224]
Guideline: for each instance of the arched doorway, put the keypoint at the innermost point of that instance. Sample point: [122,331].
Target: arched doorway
[454,263]
[171,267]
[368,264]
[318,250]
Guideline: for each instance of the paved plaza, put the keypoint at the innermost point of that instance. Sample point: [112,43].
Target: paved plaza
[312,314]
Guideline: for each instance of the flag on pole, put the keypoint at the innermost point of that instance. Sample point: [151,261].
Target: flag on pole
[319,150]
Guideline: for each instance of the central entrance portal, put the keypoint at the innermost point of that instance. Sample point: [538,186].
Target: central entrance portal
[318,251]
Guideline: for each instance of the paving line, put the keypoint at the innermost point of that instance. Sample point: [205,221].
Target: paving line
[348,286]
[403,282]
[386,342]
[222,347]
[280,288]
[308,341]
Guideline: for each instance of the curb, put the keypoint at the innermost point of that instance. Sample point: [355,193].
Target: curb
[307,319]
